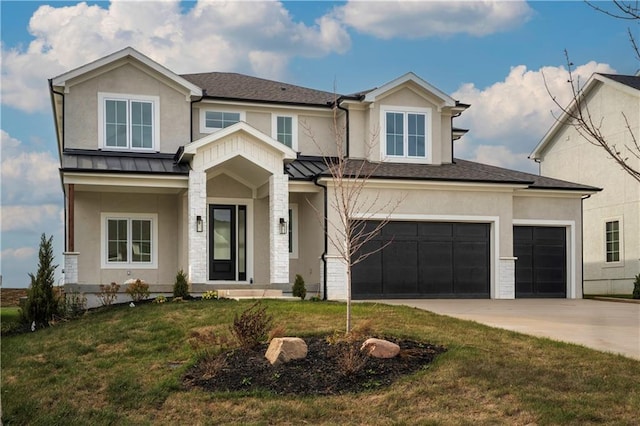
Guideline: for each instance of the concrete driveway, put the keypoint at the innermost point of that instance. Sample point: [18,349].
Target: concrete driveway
[605,326]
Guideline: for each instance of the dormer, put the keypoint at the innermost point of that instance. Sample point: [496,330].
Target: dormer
[407,121]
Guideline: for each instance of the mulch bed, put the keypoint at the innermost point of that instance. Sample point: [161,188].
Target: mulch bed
[328,369]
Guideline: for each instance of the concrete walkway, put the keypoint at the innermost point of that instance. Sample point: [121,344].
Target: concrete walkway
[605,326]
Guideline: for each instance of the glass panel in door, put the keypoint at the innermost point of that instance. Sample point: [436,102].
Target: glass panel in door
[222,244]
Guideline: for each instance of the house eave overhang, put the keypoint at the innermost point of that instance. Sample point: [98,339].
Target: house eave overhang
[446,100]
[249,102]
[594,81]
[128,52]
[435,183]
[109,180]
[187,152]
[557,192]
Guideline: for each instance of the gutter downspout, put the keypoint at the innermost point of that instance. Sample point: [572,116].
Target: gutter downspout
[326,242]
[60,150]
[204,93]
[582,238]
[346,110]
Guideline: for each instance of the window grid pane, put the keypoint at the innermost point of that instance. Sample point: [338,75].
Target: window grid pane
[284,131]
[220,119]
[141,241]
[612,244]
[416,135]
[116,123]
[395,133]
[117,240]
[141,125]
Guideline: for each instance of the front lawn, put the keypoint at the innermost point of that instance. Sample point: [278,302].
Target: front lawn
[125,365]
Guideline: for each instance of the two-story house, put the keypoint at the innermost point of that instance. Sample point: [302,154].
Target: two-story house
[222,175]
[612,217]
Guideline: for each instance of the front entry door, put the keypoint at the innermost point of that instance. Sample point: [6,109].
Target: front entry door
[227,242]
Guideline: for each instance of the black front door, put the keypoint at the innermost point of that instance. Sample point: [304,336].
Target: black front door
[222,265]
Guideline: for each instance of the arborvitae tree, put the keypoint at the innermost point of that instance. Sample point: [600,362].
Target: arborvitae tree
[42,303]
[181,286]
[299,289]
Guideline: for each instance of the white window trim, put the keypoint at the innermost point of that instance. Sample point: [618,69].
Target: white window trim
[203,118]
[294,231]
[153,217]
[428,149]
[294,128]
[620,262]
[102,139]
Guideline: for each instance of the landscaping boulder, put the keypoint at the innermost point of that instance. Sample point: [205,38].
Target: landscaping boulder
[285,349]
[379,348]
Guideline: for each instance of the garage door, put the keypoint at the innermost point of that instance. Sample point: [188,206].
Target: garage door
[425,260]
[541,268]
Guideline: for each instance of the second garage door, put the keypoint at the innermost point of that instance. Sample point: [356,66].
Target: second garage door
[425,260]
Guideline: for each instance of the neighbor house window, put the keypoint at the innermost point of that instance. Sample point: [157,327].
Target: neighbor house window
[406,133]
[212,121]
[285,130]
[612,241]
[128,121]
[293,231]
[129,241]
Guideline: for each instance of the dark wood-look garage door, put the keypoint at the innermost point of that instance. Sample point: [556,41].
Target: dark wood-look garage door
[541,268]
[425,260]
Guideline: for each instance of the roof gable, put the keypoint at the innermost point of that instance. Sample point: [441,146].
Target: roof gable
[125,53]
[625,83]
[446,100]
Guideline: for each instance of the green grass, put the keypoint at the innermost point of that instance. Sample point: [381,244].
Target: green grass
[9,314]
[123,366]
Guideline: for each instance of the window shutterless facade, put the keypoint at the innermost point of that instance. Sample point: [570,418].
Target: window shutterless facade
[213,120]
[406,134]
[612,241]
[128,122]
[129,240]
[285,130]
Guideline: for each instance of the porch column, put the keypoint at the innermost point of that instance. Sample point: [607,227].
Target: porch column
[197,240]
[278,242]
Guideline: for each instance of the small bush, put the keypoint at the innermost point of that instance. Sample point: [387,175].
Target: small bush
[636,287]
[138,290]
[210,295]
[181,286]
[75,304]
[349,359]
[299,290]
[160,299]
[252,326]
[108,293]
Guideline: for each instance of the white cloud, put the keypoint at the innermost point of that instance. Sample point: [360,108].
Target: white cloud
[223,36]
[515,113]
[416,19]
[19,253]
[30,217]
[28,177]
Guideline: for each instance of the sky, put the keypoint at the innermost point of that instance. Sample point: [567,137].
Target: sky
[490,54]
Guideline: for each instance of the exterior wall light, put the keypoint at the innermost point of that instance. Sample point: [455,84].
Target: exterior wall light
[199,223]
[283,226]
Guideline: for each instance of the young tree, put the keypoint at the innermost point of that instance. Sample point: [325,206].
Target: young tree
[42,303]
[353,203]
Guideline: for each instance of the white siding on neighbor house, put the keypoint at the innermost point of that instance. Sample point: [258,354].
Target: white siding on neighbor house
[571,157]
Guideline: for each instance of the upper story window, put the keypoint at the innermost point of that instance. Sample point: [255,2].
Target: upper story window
[285,129]
[214,120]
[406,133]
[612,241]
[128,122]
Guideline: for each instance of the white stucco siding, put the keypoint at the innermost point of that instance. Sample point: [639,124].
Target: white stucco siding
[571,157]
[90,206]
[310,237]
[81,106]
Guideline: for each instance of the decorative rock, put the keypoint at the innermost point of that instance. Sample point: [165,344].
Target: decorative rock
[379,348]
[285,349]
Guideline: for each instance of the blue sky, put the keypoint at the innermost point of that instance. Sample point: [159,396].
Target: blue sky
[490,54]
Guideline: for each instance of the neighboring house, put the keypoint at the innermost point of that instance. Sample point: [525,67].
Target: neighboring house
[217,174]
[611,220]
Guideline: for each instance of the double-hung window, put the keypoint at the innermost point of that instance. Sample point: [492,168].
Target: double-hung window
[214,120]
[612,241]
[128,122]
[129,240]
[406,133]
[285,130]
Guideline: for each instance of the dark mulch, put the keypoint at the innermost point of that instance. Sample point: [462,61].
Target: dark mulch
[327,370]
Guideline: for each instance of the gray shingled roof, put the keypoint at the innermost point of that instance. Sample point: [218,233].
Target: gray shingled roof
[116,162]
[246,88]
[628,80]
[460,171]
